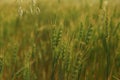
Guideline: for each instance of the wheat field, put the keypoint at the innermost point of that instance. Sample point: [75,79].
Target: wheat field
[60,40]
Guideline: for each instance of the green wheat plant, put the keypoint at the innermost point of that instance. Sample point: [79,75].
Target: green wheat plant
[60,40]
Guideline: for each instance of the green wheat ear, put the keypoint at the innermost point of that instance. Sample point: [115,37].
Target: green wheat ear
[27,70]
[88,34]
[56,37]
[80,34]
[76,67]
[55,40]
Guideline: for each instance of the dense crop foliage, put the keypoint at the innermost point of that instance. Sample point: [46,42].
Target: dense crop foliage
[42,40]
